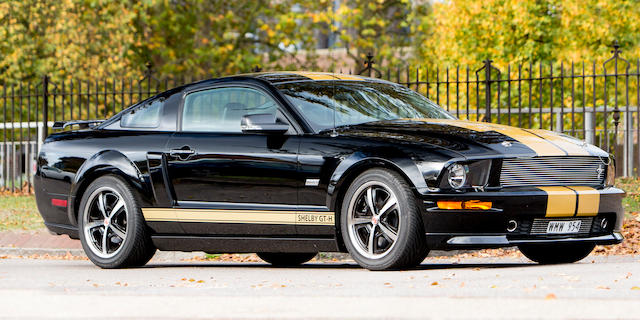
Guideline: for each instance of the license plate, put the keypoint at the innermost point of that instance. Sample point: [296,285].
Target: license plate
[564,226]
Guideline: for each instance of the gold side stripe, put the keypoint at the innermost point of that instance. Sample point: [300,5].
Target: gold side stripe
[561,201]
[588,201]
[239,216]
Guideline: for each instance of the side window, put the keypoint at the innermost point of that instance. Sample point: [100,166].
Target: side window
[221,110]
[146,116]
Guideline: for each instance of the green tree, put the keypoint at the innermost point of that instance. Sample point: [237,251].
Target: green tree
[204,38]
[467,31]
[63,38]
[382,27]
[197,38]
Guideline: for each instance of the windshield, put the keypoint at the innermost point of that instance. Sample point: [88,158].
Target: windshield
[357,102]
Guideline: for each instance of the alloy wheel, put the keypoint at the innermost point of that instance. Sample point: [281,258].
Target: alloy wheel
[374,220]
[105,222]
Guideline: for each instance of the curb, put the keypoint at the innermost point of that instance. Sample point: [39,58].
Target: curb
[40,251]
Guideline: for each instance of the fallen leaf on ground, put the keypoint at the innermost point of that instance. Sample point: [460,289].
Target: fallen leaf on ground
[550,296]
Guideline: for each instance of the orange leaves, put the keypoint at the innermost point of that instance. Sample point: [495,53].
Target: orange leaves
[631,243]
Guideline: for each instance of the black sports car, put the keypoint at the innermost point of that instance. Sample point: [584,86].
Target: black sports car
[287,164]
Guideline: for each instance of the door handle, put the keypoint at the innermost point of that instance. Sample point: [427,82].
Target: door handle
[182,152]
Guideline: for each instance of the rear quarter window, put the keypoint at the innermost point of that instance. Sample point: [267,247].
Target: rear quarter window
[145,116]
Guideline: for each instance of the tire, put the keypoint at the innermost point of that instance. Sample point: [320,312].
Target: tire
[398,239]
[556,253]
[128,240]
[286,259]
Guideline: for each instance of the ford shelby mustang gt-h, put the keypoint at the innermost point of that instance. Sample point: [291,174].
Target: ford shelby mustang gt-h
[287,164]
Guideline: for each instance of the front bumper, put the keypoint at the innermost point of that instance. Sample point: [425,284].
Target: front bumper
[475,229]
[498,241]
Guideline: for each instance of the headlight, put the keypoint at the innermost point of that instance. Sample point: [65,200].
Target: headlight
[458,175]
[473,174]
[611,173]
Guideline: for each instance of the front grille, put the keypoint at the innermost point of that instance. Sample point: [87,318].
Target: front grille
[539,226]
[553,171]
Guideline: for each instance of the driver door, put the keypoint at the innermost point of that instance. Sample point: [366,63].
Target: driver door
[224,181]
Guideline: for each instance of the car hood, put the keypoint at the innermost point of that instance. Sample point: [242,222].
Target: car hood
[475,139]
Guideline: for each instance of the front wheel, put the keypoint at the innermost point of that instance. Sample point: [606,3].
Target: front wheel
[556,253]
[286,259]
[111,227]
[380,223]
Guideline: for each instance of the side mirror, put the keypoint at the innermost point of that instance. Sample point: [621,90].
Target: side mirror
[263,123]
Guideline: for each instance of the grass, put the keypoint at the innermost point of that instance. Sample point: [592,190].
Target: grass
[631,202]
[19,212]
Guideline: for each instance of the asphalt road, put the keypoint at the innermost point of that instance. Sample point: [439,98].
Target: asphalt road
[491,288]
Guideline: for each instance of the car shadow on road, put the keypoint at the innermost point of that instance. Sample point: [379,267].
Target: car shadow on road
[333,265]
[440,266]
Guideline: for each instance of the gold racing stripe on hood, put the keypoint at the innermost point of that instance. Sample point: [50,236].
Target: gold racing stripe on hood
[544,143]
[561,201]
[572,148]
[327,76]
[347,77]
[315,75]
[588,201]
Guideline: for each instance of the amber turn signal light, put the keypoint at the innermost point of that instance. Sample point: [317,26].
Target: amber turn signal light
[465,205]
[450,205]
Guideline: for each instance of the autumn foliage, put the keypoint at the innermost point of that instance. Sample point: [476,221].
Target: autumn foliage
[197,38]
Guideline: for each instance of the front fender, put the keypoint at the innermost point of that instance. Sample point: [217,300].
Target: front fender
[102,163]
[359,161]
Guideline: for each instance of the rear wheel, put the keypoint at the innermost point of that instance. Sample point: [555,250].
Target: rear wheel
[286,259]
[381,226]
[556,253]
[112,230]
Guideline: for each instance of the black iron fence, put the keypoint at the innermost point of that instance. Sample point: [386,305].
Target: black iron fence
[597,102]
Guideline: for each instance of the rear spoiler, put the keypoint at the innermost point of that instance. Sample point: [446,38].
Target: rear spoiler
[83,124]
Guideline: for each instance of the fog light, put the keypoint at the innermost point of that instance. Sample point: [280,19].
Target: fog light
[512,225]
[604,223]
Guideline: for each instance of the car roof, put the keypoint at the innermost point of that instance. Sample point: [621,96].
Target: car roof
[271,77]
[279,77]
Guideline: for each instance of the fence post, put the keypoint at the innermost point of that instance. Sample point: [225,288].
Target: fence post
[45,107]
[590,127]
[487,81]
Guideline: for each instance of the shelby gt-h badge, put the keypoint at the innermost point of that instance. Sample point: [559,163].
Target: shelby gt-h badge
[288,164]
